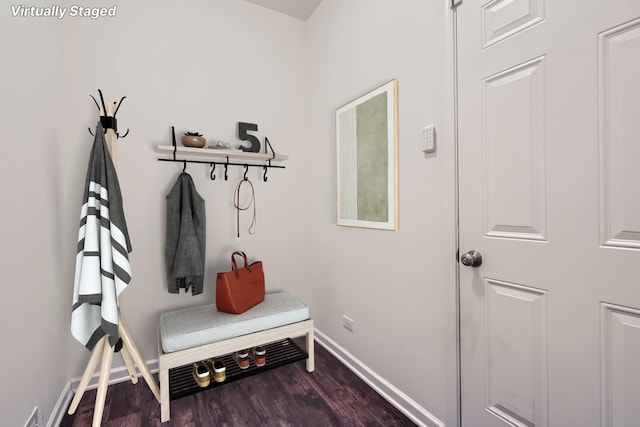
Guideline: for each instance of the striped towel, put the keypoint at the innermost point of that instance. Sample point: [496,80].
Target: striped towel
[102,262]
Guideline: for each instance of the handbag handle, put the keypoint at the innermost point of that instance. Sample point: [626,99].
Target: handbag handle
[234,266]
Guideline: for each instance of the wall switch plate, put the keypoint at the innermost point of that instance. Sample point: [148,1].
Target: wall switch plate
[347,323]
[33,419]
[428,139]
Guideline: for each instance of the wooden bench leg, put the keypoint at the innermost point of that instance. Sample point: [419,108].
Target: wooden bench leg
[165,408]
[310,351]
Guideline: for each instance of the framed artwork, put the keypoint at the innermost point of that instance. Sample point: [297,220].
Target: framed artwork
[367,159]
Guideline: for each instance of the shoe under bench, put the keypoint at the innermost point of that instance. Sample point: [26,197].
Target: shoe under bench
[194,334]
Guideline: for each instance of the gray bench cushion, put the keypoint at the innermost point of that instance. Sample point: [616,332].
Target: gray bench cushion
[195,326]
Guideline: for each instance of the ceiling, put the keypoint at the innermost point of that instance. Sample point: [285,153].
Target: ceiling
[300,9]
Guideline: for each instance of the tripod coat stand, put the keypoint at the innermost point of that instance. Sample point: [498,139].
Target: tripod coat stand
[105,346]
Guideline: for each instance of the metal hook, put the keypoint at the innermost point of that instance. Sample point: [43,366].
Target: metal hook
[125,134]
[213,169]
[264,175]
[246,169]
[94,100]
[226,166]
[104,106]
[118,107]
[184,167]
[97,106]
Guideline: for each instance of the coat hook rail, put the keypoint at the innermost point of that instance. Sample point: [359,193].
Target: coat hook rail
[208,162]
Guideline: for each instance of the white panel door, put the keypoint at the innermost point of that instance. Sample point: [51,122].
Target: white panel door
[549,195]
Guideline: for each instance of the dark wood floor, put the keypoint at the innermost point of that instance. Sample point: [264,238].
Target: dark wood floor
[288,396]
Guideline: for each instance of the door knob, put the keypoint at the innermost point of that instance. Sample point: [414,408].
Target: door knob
[472,259]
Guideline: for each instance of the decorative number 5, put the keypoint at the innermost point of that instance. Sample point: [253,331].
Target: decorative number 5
[243,129]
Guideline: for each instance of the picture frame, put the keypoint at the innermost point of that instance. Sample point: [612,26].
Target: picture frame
[367,159]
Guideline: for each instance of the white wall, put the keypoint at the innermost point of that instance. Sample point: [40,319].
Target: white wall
[197,65]
[35,302]
[397,287]
[205,65]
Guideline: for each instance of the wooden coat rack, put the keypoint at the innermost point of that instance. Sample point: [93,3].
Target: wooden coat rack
[129,351]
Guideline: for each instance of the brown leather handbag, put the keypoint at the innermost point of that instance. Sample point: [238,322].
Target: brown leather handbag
[241,288]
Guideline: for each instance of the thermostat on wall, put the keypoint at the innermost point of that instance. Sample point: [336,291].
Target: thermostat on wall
[428,139]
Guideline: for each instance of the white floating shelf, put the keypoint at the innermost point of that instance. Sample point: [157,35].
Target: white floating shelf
[185,153]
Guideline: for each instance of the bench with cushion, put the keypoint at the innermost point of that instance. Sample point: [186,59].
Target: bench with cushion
[198,333]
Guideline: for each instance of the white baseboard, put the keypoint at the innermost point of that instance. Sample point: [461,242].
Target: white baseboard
[117,375]
[61,406]
[393,395]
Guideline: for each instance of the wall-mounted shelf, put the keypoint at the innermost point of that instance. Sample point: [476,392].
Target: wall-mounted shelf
[219,154]
[224,157]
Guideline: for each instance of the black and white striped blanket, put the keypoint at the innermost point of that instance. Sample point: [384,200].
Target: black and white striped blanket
[102,261]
